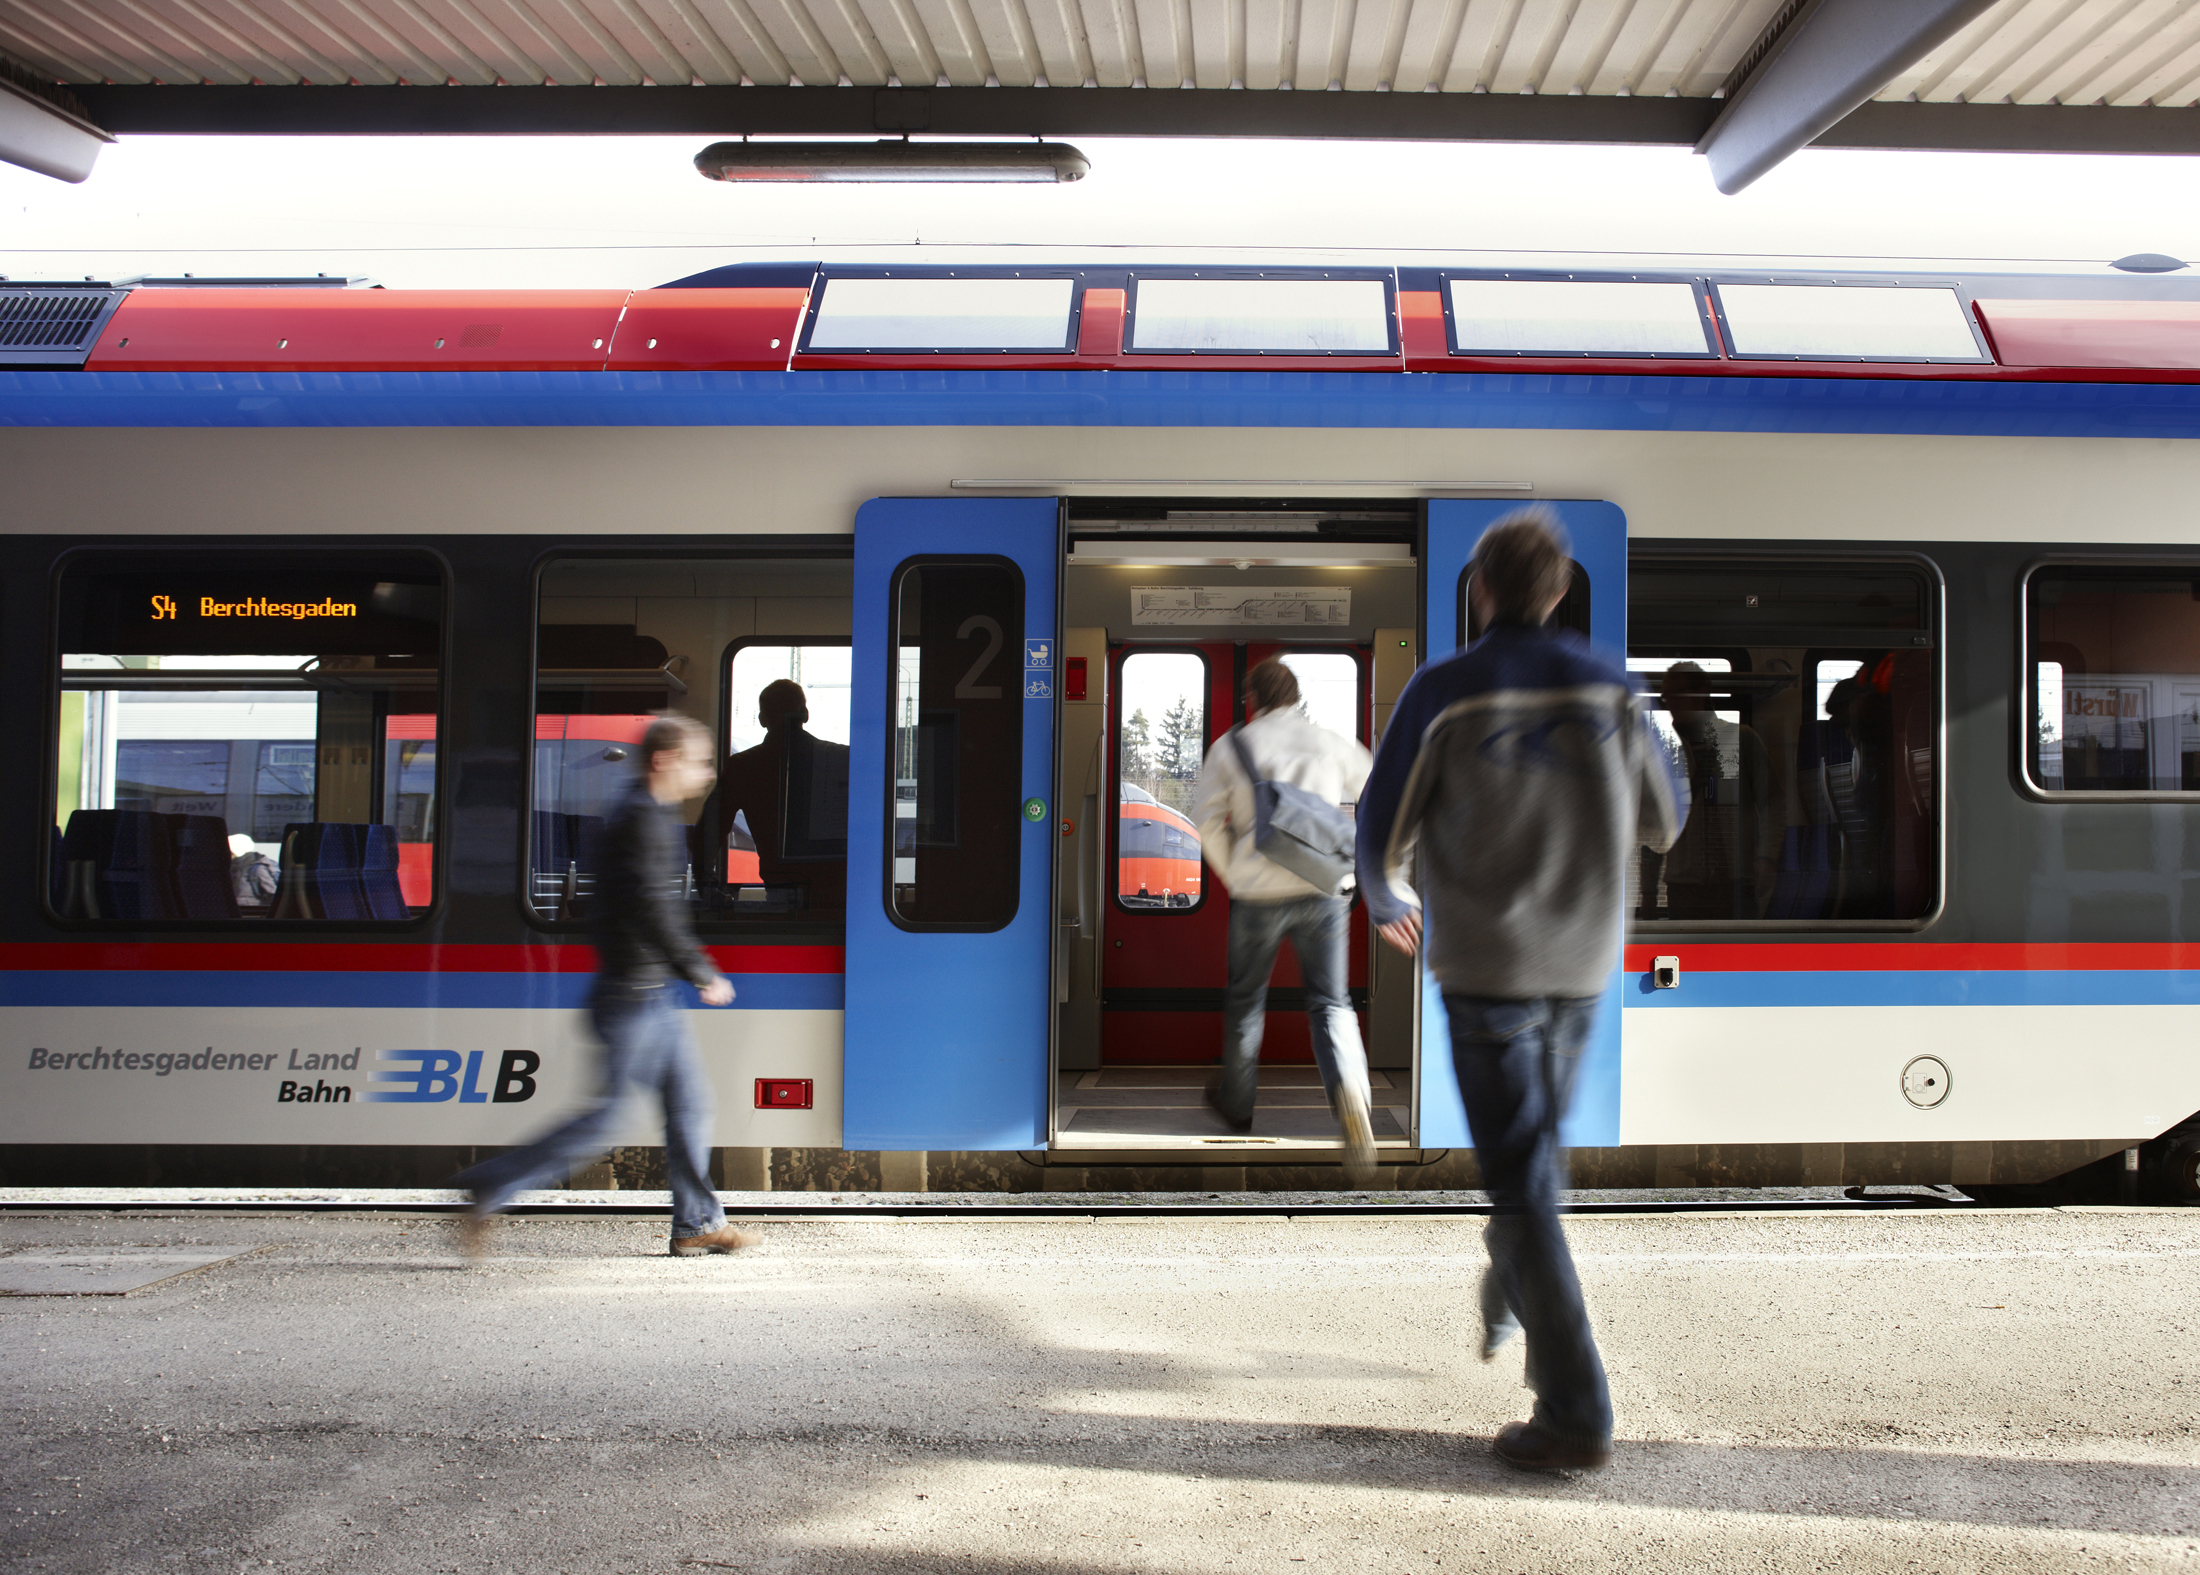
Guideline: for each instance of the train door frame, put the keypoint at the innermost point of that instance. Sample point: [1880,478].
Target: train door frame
[1221,679]
[914,1078]
[1408,536]
[1450,530]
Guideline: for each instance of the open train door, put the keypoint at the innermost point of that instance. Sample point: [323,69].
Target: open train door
[950,857]
[1596,606]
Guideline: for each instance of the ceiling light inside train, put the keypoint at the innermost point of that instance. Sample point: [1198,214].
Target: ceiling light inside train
[893,161]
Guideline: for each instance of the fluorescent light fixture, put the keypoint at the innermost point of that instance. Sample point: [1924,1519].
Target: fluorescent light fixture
[895,161]
[1852,322]
[1171,551]
[1576,317]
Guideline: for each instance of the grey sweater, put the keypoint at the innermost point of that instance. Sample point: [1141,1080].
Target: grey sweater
[1516,779]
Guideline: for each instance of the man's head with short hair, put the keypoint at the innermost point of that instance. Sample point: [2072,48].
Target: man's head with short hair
[670,733]
[782,698]
[1271,686]
[1523,566]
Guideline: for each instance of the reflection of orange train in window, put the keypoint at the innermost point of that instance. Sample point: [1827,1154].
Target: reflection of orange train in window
[1157,854]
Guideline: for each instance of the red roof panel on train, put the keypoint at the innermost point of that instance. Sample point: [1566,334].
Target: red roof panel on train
[2128,334]
[709,330]
[359,331]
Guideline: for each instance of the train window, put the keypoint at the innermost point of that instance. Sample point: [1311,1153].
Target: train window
[779,814]
[943,314]
[1797,700]
[1825,322]
[1329,689]
[955,816]
[725,641]
[247,743]
[1576,317]
[1572,613]
[2113,665]
[1160,743]
[1252,316]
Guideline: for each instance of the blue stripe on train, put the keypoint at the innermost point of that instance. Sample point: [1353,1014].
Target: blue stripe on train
[1122,398]
[2013,987]
[820,992]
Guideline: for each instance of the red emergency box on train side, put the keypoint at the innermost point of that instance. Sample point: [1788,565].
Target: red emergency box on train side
[246,330]
[709,330]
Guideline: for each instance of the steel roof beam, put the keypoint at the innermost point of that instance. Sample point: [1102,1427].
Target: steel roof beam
[42,129]
[1818,61]
[715,112]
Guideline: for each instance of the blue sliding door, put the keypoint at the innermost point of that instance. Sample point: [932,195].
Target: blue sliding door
[950,853]
[1599,532]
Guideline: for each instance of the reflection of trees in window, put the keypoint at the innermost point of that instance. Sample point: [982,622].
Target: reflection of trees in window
[1181,748]
[1137,761]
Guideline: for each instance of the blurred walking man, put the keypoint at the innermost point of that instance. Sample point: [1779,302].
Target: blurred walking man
[643,940]
[1269,902]
[1520,776]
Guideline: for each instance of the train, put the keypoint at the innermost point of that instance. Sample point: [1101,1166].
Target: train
[335,613]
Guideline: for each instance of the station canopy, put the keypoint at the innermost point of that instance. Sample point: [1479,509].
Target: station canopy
[1745,82]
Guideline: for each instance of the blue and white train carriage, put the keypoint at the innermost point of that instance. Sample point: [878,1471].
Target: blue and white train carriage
[333,615]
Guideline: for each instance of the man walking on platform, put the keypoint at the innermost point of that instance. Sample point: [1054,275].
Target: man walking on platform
[1519,776]
[642,940]
[1268,902]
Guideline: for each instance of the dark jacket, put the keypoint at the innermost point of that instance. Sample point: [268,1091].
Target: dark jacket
[641,920]
[1519,776]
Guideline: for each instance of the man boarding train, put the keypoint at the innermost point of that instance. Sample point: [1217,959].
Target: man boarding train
[1517,778]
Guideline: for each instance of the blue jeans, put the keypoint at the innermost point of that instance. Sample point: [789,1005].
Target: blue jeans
[1317,927]
[647,1048]
[1516,1062]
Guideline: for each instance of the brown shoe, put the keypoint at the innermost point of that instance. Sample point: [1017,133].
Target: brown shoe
[474,1232]
[1532,1447]
[726,1238]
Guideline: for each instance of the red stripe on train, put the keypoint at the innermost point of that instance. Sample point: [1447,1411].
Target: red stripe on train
[1919,957]
[312,957]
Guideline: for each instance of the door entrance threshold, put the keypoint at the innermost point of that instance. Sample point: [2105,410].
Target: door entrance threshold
[1228,1151]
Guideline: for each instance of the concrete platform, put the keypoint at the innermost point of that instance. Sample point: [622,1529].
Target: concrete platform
[1926,1390]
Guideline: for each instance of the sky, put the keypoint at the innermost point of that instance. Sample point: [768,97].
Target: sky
[614,212]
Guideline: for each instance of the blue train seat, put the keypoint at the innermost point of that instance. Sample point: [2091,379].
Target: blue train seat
[378,886]
[203,888]
[120,864]
[320,872]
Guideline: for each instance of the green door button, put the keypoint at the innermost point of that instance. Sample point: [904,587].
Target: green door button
[1035,809]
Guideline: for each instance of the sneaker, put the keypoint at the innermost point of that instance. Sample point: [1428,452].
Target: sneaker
[1213,1095]
[726,1238]
[1532,1447]
[1359,1137]
[474,1231]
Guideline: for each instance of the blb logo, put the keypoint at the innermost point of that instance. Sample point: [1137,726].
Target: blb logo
[435,1076]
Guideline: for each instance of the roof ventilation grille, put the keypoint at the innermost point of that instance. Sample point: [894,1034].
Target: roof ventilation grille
[52,327]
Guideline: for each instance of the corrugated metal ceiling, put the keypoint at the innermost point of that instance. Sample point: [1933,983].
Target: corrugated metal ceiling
[2114,52]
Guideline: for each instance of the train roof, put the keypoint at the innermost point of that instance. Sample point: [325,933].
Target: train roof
[1669,320]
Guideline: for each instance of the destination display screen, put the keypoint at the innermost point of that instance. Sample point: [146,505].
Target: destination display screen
[195,611]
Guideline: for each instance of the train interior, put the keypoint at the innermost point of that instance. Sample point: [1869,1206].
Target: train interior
[756,651]
[199,776]
[1165,610]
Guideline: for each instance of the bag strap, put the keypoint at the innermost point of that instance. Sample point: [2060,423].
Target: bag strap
[1252,772]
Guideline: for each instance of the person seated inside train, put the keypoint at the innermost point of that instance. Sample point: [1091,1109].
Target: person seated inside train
[253,876]
[1727,857]
[792,792]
